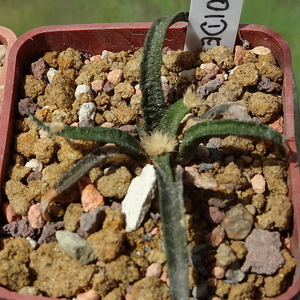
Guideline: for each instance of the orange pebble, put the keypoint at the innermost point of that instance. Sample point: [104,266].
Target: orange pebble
[277,124]
[89,295]
[35,216]
[154,231]
[129,296]
[10,213]
[90,196]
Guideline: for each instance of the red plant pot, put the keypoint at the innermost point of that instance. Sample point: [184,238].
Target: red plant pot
[95,38]
[7,38]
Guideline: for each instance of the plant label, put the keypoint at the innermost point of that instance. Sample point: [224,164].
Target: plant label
[212,23]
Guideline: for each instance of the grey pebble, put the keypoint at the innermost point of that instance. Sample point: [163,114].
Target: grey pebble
[211,86]
[20,228]
[48,233]
[234,274]
[76,246]
[27,104]
[265,85]
[92,221]
[205,166]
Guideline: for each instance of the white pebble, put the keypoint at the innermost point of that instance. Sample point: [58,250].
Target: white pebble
[105,54]
[139,196]
[87,113]
[137,89]
[50,74]
[44,134]
[82,89]
[164,80]
[32,242]
[34,165]
[88,108]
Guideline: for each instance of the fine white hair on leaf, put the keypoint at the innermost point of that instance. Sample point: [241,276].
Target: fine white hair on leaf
[160,143]
[56,127]
[190,99]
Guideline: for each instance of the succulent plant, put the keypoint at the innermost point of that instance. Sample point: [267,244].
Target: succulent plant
[157,144]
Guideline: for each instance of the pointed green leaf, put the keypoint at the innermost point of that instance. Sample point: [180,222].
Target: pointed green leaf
[172,215]
[97,158]
[79,169]
[153,104]
[122,139]
[194,134]
[171,120]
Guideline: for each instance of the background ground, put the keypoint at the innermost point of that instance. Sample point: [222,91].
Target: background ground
[23,15]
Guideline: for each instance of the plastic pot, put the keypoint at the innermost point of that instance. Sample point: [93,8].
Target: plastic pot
[95,38]
[7,38]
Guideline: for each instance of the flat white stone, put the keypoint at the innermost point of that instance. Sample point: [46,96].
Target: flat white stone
[139,196]
[82,89]
[34,165]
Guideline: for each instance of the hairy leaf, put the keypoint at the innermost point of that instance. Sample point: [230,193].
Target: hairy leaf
[96,158]
[153,104]
[206,129]
[172,215]
[165,165]
[122,139]
[171,120]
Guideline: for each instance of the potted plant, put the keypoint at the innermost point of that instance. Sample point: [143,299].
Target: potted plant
[159,122]
[7,38]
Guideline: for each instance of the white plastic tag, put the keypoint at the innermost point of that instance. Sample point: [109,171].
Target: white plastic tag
[212,23]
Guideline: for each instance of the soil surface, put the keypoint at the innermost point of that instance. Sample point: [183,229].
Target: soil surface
[236,194]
